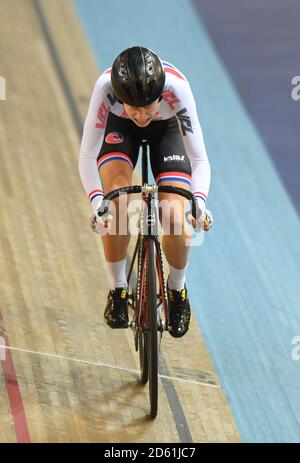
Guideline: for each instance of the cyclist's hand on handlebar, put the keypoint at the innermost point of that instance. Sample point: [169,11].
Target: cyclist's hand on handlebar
[100,225]
[205,221]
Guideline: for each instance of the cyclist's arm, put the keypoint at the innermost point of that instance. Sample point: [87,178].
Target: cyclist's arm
[91,142]
[193,141]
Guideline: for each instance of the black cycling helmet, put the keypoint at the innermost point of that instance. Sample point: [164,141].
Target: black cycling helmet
[137,76]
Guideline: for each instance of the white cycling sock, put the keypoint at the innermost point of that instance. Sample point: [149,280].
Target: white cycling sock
[117,274]
[177,278]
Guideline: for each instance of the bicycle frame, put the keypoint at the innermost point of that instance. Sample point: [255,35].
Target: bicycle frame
[148,220]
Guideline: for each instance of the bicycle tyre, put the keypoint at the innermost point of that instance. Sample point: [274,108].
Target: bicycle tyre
[143,358]
[151,334]
[141,340]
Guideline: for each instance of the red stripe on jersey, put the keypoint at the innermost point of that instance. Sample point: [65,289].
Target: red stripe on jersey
[174,174]
[175,73]
[200,193]
[95,191]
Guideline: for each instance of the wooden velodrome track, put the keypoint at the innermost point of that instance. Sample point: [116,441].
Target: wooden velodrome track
[65,376]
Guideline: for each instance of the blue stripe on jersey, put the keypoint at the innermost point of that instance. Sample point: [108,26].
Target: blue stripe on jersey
[177,179]
[95,196]
[168,65]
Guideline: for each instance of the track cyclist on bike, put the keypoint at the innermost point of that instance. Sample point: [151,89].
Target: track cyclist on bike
[142,97]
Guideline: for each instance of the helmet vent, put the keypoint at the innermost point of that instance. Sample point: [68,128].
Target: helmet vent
[149,64]
[123,70]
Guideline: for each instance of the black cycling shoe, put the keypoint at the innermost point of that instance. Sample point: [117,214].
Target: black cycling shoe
[116,310]
[179,311]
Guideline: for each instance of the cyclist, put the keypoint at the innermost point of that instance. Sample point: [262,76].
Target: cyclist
[142,97]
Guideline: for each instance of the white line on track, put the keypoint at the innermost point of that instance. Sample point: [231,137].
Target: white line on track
[104,365]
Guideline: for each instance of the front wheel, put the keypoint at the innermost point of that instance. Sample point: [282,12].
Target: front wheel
[151,334]
[143,357]
[147,336]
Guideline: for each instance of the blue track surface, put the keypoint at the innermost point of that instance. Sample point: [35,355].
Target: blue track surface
[259,43]
[244,280]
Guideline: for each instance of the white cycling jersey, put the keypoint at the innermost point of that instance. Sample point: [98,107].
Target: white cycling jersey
[177,100]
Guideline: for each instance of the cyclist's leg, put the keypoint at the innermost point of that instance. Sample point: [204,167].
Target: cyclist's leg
[171,166]
[176,234]
[116,162]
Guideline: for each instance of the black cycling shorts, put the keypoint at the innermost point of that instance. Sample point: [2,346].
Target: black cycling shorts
[123,138]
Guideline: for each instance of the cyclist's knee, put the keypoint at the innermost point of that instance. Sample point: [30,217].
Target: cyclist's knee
[115,183]
[118,184]
[172,211]
[172,218]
